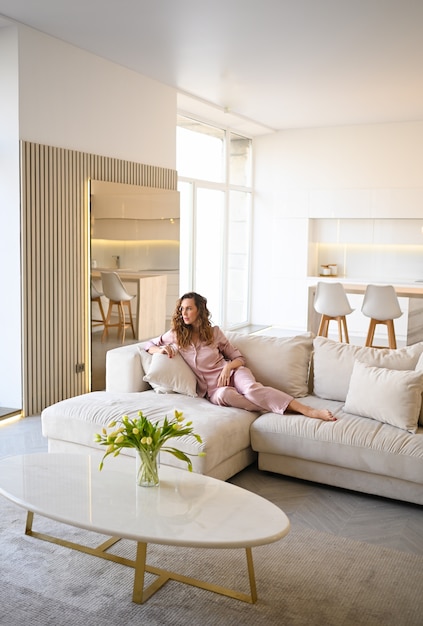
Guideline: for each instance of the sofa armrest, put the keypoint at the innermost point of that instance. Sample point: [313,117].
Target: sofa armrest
[124,371]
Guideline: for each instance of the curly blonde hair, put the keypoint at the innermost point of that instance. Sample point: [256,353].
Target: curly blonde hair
[184,332]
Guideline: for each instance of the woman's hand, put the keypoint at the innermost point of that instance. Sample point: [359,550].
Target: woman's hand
[170,350]
[225,375]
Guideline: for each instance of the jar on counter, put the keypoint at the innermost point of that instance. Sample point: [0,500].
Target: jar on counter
[333,269]
[325,270]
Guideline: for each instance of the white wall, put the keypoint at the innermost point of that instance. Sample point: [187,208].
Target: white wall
[354,171]
[72,99]
[10,323]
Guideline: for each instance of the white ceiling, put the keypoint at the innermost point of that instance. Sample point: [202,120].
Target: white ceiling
[261,64]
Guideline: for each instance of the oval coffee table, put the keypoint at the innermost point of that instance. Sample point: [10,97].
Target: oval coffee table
[186,509]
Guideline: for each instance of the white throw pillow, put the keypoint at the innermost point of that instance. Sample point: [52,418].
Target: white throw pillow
[145,358]
[419,368]
[333,364]
[390,396]
[169,375]
[400,359]
[279,362]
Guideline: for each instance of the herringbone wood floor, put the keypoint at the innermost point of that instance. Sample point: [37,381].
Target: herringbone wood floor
[393,524]
[390,523]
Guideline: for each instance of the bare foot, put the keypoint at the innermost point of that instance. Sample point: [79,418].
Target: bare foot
[308,411]
[322,414]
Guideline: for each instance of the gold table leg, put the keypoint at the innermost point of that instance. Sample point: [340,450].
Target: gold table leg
[251,576]
[141,594]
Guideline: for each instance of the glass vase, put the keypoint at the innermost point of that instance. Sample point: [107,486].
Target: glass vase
[147,468]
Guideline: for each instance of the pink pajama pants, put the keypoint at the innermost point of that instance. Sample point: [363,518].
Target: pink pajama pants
[246,393]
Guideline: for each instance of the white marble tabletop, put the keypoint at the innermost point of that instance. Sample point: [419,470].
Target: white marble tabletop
[186,509]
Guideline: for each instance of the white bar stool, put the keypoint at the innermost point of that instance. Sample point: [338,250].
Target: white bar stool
[114,290]
[332,303]
[382,306]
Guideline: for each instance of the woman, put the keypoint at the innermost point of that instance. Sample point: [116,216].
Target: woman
[220,367]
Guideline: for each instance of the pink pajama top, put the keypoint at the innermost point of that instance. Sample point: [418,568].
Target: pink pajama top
[205,360]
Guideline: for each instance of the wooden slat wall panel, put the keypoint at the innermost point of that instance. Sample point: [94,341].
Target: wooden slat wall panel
[55,253]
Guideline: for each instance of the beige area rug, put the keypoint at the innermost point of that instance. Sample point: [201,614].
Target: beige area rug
[308,578]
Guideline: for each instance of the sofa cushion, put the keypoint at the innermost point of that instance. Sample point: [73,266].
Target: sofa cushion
[419,368]
[279,362]
[333,364]
[352,442]
[225,431]
[390,396]
[167,375]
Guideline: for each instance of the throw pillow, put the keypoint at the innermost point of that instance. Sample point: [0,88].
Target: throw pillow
[145,358]
[419,368]
[169,375]
[333,364]
[390,396]
[279,362]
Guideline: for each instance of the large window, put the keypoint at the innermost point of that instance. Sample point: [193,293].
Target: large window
[200,151]
[214,168]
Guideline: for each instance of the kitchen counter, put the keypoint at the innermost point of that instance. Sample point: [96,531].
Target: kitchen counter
[399,283]
[412,290]
[150,305]
[126,271]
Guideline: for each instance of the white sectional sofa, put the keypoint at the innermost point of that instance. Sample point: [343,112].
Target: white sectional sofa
[375,446]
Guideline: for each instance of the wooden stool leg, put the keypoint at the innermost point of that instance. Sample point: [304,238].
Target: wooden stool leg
[342,327]
[122,324]
[391,334]
[130,317]
[102,321]
[107,323]
[103,317]
[344,323]
[324,326]
[371,333]
[339,320]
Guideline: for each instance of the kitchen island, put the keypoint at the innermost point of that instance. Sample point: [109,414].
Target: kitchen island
[412,291]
